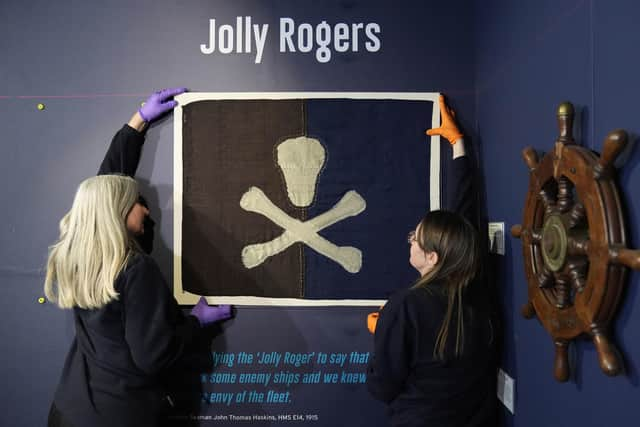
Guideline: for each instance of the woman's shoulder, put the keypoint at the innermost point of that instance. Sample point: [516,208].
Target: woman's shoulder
[415,306]
[432,293]
[415,298]
[398,298]
[140,277]
[139,265]
[140,260]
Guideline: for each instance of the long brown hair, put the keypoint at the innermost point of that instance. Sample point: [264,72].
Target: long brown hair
[455,241]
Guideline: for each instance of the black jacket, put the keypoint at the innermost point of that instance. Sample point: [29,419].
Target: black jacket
[420,389]
[116,369]
[123,157]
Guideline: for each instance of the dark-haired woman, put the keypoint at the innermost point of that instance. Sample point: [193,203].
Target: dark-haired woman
[434,344]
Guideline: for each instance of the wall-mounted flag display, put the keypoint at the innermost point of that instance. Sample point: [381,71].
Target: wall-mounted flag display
[300,198]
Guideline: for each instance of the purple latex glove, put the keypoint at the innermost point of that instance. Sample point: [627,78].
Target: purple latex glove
[159,103]
[207,314]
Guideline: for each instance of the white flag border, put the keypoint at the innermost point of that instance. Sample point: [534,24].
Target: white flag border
[187,298]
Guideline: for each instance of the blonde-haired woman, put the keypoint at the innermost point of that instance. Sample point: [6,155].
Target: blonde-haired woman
[434,345]
[129,328]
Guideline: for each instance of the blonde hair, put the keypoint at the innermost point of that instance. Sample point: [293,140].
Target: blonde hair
[455,241]
[94,244]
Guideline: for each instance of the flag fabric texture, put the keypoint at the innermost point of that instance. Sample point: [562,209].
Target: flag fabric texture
[304,198]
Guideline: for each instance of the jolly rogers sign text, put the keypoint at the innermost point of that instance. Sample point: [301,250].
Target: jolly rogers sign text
[322,39]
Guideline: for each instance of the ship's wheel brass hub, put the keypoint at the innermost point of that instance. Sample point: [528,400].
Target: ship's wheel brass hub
[554,243]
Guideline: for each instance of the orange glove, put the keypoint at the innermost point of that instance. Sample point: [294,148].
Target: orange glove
[372,321]
[448,129]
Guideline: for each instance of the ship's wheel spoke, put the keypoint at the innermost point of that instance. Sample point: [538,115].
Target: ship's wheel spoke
[548,201]
[545,278]
[576,215]
[626,257]
[565,194]
[536,236]
[577,270]
[562,291]
[578,246]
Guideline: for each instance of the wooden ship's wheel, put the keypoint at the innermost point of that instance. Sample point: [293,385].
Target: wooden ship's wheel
[573,244]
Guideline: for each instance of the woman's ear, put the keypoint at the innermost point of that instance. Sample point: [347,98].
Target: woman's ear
[431,257]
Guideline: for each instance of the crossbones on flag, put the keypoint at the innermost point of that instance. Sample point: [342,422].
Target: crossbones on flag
[304,195]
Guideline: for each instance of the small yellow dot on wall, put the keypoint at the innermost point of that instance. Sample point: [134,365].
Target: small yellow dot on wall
[40,107]
[41,300]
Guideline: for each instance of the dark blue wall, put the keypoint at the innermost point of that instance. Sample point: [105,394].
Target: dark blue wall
[92,65]
[530,56]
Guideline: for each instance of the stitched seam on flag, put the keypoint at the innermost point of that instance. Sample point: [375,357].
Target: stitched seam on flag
[303,111]
[301,275]
[302,269]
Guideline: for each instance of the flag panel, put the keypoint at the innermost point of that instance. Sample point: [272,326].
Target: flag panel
[379,149]
[228,147]
[302,197]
